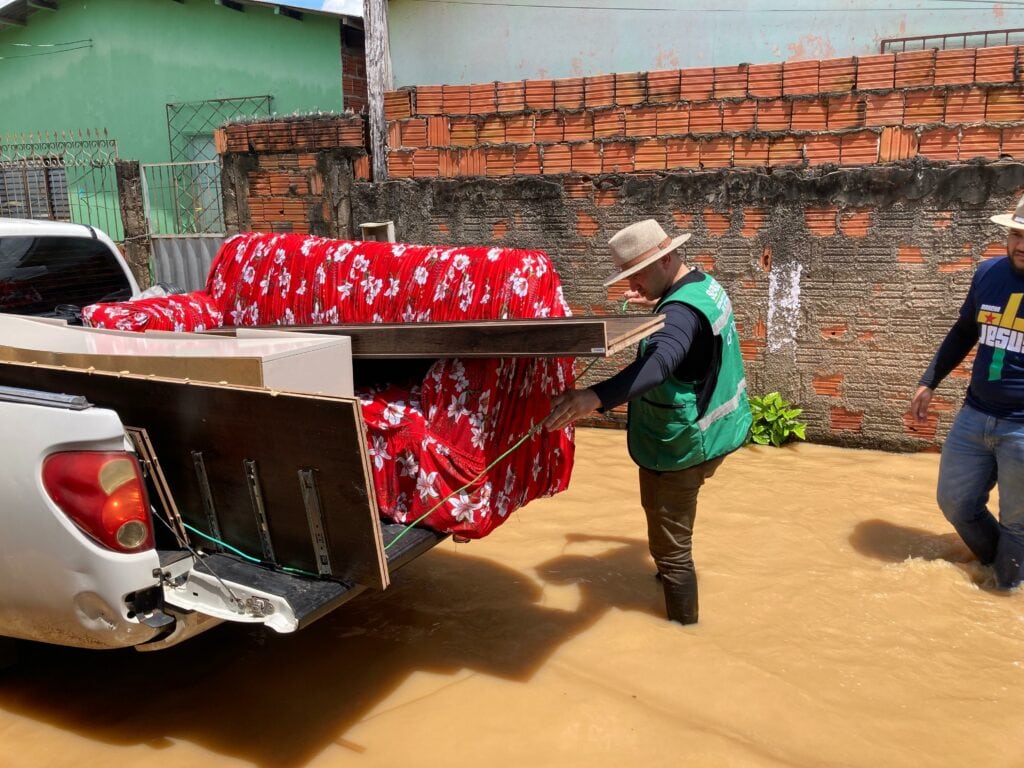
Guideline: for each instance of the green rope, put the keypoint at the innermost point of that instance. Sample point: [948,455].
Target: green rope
[242,554]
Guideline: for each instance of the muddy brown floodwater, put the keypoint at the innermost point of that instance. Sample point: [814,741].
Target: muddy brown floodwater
[842,624]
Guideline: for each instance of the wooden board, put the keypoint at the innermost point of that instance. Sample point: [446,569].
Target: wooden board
[282,433]
[545,337]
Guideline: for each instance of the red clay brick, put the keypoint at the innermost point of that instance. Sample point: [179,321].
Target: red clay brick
[599,91]
[876,71]
[556,158]
[483,98]
[828,385]
[922,430]
[705,261]
[821,221]
[361,168]
[915,68]
[682,153]
[774,115]
[716,153]
[540,94]
[995,65]
[994,251]
[586,225]
[751,349]
[954,67]
[750,152]
[1004,105]
[843,420]
[414,133]
[837,75]
[799,77]
[730,81]
[519,129]
[428,100]
[706,117]
[943,219]
[578,126]
[739,116]
[609,122]
[456,99]
[492,130]
[909,254]
[673,119]
[511,96]
[697,83]
[463,131]
[939,143]
[854,223]
[834,331]
[924,107]
[630,88]
[716,223]
[965,106]
[501,161]
[394,135]
[569,93]
[809,115]
[448,161]
[764,80]
[650,156]
[663,87]
[548,128]
[786,150]
[642,122]
[438,132]
[1012,142]
[617,157]
[822,148]
[897,144]
[499,230]
[426,163]
[606,198]
[397,105]
[860,148]
[527,161]
[846,112]
[578,189]
[981,141]
[586,158]
[884,109]
[471,162]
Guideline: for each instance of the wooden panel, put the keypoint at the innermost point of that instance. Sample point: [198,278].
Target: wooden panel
[545,337]
[283,433]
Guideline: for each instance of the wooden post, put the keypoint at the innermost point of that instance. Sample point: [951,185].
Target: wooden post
[378,80]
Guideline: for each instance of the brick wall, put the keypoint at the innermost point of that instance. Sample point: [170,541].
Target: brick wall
[353,69]
[941,105]
[292,174]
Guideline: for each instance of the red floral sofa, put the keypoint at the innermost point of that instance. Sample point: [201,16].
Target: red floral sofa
[425,441]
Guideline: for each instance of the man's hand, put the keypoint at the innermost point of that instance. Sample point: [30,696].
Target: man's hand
[919,405]
[636,299]
[570,406]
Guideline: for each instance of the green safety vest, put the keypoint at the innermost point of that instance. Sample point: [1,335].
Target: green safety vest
[665,431]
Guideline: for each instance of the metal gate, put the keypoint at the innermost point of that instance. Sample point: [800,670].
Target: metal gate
[67,175]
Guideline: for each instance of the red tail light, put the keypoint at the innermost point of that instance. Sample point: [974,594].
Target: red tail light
[104,495]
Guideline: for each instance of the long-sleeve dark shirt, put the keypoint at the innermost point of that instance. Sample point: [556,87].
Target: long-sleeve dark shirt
[684,346]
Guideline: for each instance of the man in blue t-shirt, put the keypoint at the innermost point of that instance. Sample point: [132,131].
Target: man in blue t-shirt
[985,445]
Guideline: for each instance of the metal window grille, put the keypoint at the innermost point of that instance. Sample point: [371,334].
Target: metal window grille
[188,120]
[183,198]
[63,175]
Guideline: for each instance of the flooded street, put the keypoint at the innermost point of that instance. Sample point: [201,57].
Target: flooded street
[842,624]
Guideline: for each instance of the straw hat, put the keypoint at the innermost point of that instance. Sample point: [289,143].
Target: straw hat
[1013,220]
[640,244]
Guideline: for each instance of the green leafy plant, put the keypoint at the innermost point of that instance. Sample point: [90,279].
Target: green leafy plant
[775,420]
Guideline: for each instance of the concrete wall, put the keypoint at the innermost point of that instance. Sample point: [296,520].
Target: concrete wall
[140,55]
[459,43]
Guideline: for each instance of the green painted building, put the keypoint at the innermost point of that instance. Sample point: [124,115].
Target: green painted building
[154,78]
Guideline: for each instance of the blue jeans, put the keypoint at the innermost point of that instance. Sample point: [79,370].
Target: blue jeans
[981,451]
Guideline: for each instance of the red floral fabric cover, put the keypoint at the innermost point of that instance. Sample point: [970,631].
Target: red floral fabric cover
[428,441]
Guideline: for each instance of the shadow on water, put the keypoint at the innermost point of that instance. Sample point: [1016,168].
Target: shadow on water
[281,699]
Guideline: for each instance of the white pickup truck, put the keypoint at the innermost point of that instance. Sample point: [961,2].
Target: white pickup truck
[84,558]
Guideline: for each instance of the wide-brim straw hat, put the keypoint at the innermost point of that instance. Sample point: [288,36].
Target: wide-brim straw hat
[1013,220]
[638,245]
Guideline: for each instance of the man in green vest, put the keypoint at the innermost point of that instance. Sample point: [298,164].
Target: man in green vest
[687,397]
